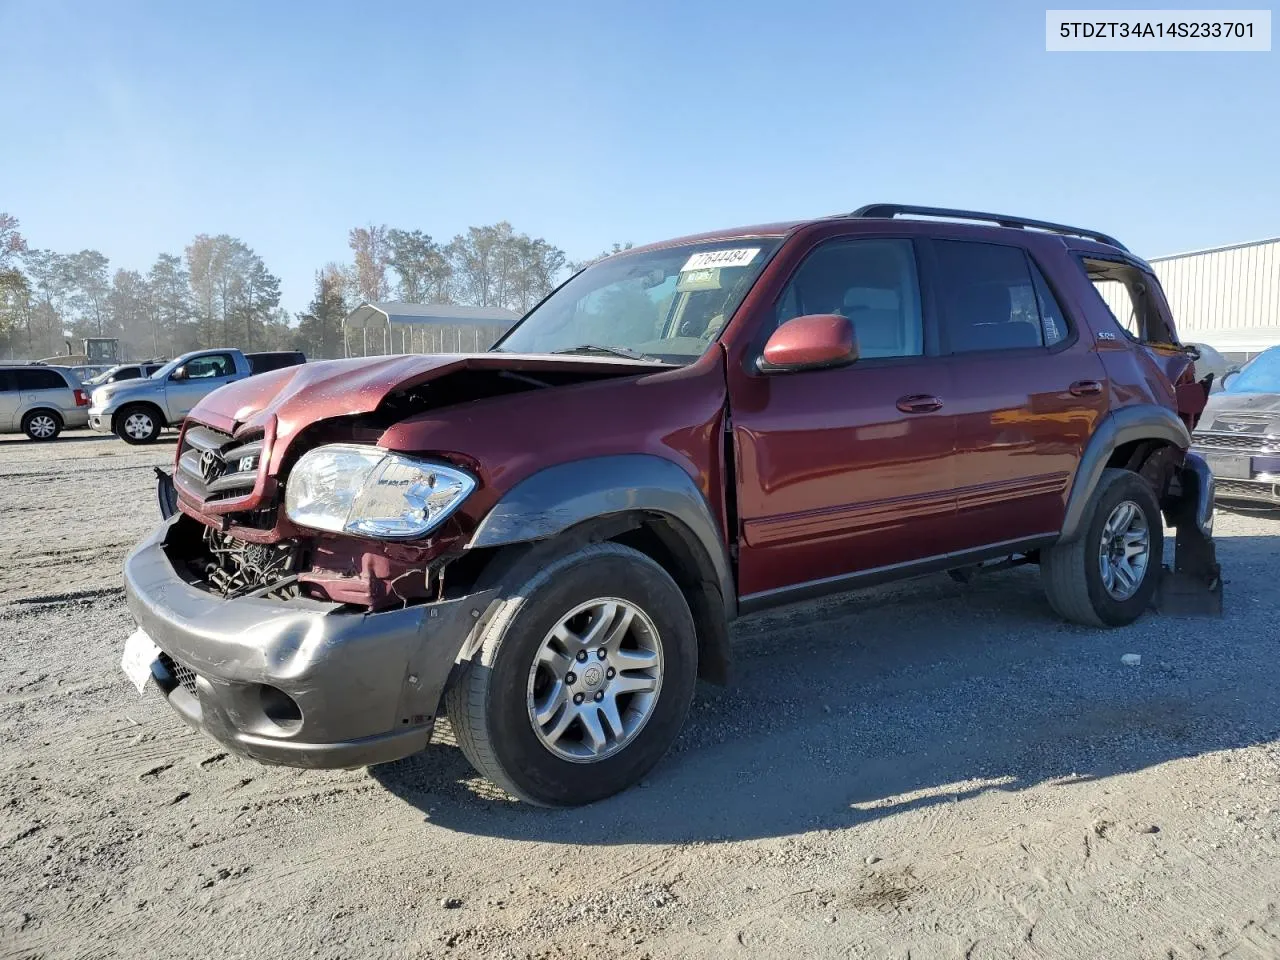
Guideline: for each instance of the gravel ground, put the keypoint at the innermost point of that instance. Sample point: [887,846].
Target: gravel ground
[929,769]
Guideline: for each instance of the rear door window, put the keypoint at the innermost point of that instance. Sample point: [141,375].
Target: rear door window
[989,299]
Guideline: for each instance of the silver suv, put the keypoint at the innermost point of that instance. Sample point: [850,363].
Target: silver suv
[40,401]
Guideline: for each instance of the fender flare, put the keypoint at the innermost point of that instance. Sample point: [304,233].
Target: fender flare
[558,498]
[1145,421]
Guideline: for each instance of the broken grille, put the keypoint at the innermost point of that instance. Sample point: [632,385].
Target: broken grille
[218,466]
[1228,441]
[185,676]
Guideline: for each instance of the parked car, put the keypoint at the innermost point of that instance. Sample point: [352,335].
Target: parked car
[137,410]
[1239,433]
[85,373]
[266,362]
[124,371]
[41,400]
[550,539]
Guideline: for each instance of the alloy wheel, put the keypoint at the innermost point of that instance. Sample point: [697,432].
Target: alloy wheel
[595,680]
[1125,550]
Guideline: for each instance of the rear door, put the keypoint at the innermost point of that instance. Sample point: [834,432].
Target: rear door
[1027,390]
[847,470]
[42,387]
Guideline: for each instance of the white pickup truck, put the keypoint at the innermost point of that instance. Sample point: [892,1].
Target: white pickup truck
[137,410]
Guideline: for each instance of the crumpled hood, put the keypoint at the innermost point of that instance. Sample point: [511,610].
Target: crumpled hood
[1259,412]
[297,396]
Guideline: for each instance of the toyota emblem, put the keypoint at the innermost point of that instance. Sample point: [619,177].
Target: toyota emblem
[208,466]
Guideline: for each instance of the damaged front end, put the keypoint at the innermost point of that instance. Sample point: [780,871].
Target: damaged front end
[295,594]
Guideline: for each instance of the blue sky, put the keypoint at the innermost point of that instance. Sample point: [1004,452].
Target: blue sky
[131,127]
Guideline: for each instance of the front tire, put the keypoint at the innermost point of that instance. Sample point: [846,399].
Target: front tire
[40,425]
[138,424]
[582,681]
[1107,576]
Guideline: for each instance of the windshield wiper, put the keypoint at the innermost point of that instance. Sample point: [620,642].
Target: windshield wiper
[616,351]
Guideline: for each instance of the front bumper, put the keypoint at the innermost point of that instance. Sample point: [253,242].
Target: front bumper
[364,687]
[100,420]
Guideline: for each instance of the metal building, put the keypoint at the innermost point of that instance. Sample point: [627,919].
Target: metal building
[426,327]
[1227,297]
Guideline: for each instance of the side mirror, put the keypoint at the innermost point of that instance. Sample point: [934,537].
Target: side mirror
[1229,376]
[179,374]
[816,341]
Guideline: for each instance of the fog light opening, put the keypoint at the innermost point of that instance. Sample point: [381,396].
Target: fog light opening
[280,708]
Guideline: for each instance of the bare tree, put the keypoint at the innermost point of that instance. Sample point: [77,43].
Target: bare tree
[372,250]
[170,308]
[129,306]
[89,287]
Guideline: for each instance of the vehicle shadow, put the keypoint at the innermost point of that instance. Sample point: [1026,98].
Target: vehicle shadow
[918,694]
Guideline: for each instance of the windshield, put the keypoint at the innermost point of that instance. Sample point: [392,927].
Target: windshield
[665,304]
[1259,375]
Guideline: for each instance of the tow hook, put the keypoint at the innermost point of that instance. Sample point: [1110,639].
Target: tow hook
[1193,587]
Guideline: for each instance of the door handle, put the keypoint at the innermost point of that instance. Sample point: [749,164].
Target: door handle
[1086,388]
[919,403]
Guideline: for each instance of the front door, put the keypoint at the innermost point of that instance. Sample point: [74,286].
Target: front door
[200,376]
[845,470]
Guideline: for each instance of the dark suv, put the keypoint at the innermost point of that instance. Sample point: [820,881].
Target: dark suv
[551,538]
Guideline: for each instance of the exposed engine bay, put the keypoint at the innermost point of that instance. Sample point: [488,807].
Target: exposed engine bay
[235,568]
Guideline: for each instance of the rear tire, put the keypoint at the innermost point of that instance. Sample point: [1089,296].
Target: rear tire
[138,424]
[1084,581]
[40,425]
[512,730]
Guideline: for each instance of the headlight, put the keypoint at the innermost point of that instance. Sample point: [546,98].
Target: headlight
[364,490]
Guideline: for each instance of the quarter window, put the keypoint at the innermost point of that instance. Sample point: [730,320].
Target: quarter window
[1134,299]
[990,302]
[873,283]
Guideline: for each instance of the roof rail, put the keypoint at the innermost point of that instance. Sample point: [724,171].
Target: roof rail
[890,210]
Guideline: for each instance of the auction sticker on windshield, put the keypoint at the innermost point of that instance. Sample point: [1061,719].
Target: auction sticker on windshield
[140,653]
[738,257]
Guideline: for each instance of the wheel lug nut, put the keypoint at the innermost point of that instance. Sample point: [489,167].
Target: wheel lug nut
[599,695]
[602,653]
[609,674]
[582,655]
[571,678]
[577,699]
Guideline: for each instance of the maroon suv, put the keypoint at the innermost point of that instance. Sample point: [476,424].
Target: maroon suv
[550,539]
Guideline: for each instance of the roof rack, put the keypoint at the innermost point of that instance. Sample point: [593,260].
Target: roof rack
[890,210]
